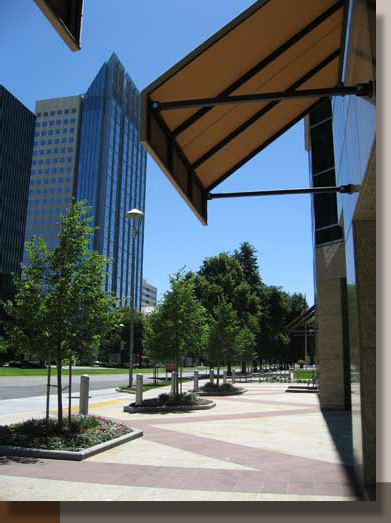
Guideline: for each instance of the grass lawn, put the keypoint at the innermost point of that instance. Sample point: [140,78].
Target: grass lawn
[304,374]
[14,371]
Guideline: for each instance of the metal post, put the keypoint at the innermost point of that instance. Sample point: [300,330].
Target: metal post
[174,383]
[211,376]
[233,376]
[131,336]
[139,389]
[84,392]
[305,345]
[196,381]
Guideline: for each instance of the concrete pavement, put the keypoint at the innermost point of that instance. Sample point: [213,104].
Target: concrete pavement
[263,445]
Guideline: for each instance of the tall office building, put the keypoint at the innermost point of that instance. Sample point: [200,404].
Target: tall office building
[16,145]
[54,165]
[88,147]
[112,173]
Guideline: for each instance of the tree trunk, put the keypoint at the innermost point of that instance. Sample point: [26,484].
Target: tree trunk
[229,369]
[218,374]
[59,389]
[243,367]
[70,391]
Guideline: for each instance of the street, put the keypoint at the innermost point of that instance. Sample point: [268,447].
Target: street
[12,387]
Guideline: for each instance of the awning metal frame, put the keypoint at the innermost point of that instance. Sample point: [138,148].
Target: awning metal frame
[347,189]
[362,89]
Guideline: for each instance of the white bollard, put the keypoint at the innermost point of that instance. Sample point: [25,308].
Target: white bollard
[225,377]
[139,389]
[211,376]
[84,392]
[233,376]
[174,383]
[196,381]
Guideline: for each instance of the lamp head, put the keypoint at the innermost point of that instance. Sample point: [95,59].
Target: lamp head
[135,214]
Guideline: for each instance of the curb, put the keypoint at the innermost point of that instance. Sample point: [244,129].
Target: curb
[179,408]
[8,450]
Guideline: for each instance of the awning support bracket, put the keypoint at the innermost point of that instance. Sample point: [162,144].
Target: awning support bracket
[362,89]
[347,189]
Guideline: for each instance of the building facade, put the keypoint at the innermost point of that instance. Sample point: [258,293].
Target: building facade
[54,166]
[112,173]
[342,138]
[17,125]
[148,295]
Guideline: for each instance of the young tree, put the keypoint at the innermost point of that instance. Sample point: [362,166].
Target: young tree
[246,344]
[61,309]
[222,344]
[179,325]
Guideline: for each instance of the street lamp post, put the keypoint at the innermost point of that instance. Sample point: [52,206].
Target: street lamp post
[136,216]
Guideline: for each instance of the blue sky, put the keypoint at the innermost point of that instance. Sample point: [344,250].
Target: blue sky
[149,36]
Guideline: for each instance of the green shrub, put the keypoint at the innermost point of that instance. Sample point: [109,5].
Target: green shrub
[83,432]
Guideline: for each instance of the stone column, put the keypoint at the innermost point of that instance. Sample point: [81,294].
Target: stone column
[211,376]
[332,352]
[84,392]
[233,376]
[139,389]
[174,383]
[196,381]
[225,377]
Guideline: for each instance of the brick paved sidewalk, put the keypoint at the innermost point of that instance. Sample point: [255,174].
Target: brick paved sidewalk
[263,445]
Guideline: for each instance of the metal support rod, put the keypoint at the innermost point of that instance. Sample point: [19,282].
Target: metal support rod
[349,189]
[358,90]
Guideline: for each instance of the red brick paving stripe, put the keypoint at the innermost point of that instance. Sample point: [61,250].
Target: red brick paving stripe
[214,480]
[160,419]
[286,466]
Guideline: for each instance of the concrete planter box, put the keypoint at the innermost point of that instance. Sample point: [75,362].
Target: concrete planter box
[7,450]
[179,408]
[222,393]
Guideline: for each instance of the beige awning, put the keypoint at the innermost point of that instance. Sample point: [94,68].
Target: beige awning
[274,46]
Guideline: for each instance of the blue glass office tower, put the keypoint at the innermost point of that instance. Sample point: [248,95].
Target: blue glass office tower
[112,173]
